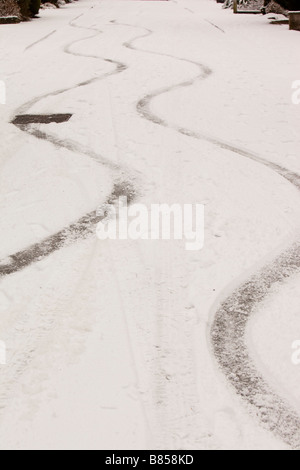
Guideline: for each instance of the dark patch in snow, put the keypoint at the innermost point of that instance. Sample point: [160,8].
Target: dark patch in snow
[26,119]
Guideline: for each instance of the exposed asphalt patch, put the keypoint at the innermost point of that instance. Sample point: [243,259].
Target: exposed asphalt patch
[25,119]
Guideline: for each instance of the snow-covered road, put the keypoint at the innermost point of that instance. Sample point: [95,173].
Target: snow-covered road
[114,344]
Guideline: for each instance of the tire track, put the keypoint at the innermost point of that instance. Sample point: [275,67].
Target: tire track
[228,335]
[144,109]
[124,184]
[215,26]
[228,332]
[39,41]
[85,225]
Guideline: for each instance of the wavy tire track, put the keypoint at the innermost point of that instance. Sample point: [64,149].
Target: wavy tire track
[23,346]
[229,328]
[85,225]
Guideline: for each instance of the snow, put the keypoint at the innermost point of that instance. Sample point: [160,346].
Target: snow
[108,342]
[274,350]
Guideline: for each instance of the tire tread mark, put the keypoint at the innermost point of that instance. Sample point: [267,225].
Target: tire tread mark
[84,226]
[229,328]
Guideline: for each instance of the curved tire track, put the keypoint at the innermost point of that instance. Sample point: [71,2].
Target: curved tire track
[228,331]
[39,41]
[85,225]
[124,179]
